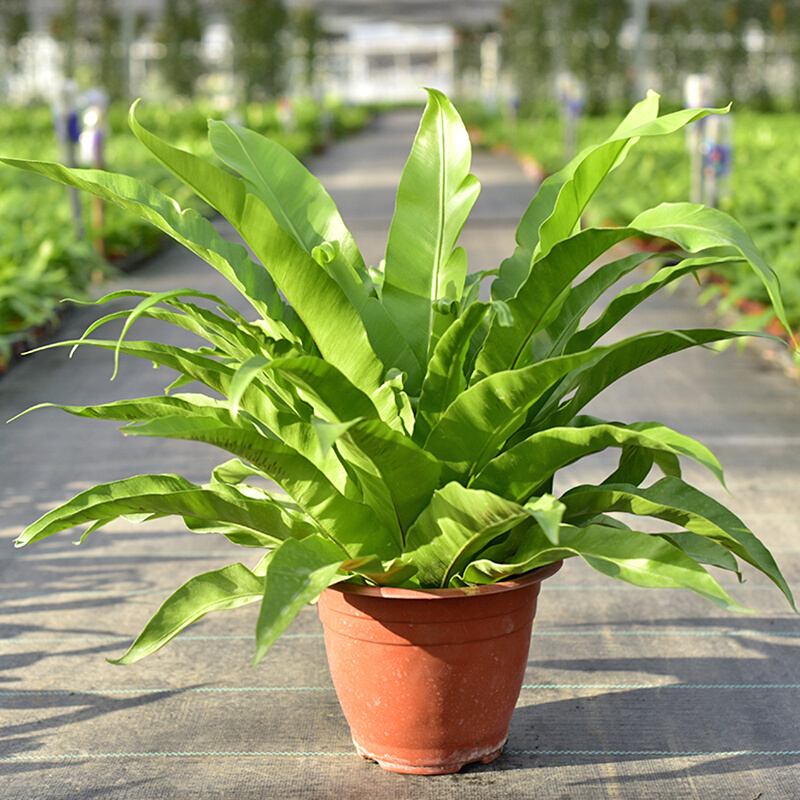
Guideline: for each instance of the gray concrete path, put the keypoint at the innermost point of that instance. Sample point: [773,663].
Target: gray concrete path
[629,693]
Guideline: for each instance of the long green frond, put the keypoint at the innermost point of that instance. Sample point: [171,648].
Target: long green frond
[435,195]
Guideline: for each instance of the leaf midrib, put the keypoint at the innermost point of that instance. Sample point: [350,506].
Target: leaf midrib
[266,186]
[438,257]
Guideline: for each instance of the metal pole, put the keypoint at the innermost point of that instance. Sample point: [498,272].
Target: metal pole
[697,94]
[641,57]
[127,40]
[67,127]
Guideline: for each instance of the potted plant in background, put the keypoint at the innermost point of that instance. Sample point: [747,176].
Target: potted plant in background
[409,431]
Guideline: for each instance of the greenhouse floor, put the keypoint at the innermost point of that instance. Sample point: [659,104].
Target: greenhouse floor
[647,695]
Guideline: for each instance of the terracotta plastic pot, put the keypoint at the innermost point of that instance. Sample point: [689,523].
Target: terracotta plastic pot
[428,680]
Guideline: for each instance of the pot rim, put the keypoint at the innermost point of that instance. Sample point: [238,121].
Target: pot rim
[396,592]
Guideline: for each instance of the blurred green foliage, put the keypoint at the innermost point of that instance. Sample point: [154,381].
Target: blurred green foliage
[609,46]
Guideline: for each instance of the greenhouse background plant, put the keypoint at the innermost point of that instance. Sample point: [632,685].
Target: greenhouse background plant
[413,429]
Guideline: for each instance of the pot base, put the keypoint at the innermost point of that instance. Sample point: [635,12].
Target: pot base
[439,766]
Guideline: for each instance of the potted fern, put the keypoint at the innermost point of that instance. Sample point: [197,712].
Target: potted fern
[408,431]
